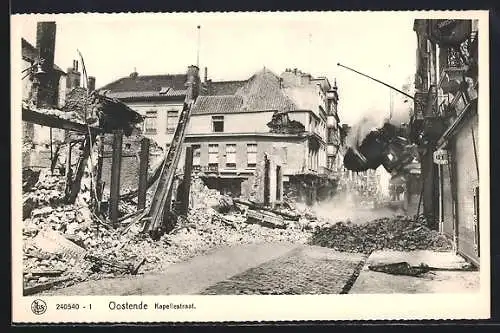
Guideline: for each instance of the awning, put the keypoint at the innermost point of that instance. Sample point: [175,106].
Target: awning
[469,109]
[56,122]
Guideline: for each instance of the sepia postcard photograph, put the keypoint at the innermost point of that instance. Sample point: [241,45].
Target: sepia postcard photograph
[277,166]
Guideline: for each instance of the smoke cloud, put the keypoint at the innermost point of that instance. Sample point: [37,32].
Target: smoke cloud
[346,206]
[375,118]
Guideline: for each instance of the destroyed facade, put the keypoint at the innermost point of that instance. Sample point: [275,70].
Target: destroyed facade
[445,125]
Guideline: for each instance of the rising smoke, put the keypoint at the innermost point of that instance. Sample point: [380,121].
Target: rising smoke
[376,117]
[346,206]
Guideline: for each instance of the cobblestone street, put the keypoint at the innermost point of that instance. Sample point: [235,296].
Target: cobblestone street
[307,270]
[267,268]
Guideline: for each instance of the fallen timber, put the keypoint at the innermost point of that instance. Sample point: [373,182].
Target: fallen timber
[160,209]
[255,206]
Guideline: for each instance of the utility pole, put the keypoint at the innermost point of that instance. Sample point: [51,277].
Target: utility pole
[371,78]
[198,48]
[391,99]
[310,54]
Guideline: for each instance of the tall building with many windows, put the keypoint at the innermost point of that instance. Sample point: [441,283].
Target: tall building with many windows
[265,137]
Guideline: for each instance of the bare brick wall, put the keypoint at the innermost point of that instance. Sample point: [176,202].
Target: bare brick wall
[129,175]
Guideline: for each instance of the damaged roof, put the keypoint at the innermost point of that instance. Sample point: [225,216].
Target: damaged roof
[262,92]
[147,86]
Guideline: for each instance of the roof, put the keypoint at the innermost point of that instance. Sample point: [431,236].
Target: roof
[262,92]
[147,83]
[219,88]
[129,95]
[217,104]
[31,53]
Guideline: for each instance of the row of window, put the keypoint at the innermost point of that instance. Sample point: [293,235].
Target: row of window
[230,154]
[151,122]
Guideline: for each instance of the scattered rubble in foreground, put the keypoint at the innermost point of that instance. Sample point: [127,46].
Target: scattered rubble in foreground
[401,233]
[64,244]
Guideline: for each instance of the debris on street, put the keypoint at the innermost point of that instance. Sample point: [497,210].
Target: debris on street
[403,233]
[65,244]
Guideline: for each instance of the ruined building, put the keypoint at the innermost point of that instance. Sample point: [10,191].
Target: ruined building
[44,86]
[266,137]
[445,125]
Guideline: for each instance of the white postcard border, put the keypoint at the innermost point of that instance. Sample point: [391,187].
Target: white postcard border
[258,308]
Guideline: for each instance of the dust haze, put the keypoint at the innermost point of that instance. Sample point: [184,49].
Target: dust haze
[348,206]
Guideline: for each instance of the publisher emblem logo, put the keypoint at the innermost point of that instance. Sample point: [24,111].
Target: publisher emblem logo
[38,307]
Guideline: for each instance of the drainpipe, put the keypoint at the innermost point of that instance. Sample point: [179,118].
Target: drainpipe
[453,183]
[440,179]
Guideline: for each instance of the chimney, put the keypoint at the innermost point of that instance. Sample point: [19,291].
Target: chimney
[91,86]
[206,74]
[45,44]
[74,77]
[193,81]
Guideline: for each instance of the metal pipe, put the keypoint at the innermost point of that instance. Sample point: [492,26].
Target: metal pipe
[385,84]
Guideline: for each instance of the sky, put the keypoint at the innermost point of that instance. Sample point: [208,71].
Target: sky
[233,46]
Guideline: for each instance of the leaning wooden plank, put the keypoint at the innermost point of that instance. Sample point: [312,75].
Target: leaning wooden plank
[45,286]
[46,272]
[126,217]
[76,183]
[134,221]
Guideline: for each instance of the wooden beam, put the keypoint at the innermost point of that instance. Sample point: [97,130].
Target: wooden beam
[186,183]
[69,171]
[99,183]
[76,183]
[114,196]
[143,173]
[56,122]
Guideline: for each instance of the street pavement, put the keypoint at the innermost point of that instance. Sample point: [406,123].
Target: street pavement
[266,268]
[305,270]
[454,281]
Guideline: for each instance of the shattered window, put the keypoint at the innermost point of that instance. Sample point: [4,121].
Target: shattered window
[218,123]
[231,156]
[172,119]
[251,155]
[150,122]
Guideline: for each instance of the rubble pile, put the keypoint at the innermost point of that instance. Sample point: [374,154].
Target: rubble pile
[201,196]
[71,243]
[47,192]
[401,233]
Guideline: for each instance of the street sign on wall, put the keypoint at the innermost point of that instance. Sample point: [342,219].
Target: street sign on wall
[440,156]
